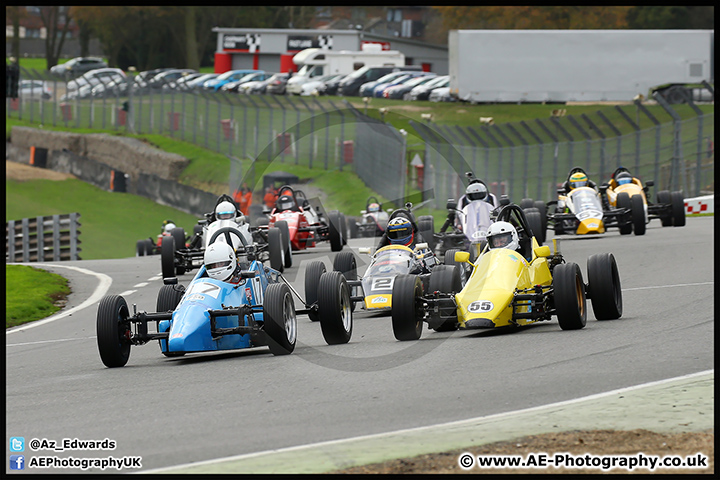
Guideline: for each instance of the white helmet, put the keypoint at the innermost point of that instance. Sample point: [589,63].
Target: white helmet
[225,211]
[220,261]
[503,235]
[169,227]
[476,191]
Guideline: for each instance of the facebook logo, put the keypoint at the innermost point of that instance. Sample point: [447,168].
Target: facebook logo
[17,462]
[17,444]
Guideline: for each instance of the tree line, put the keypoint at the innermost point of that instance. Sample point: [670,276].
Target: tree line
[150,37]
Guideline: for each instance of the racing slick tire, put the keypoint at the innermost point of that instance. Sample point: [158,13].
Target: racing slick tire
[462,268]
[335,308]
[178,234]
[353,227]
[678,209]
[535,222]
[663,198]
[197,230]
[426,228]
[113,328]
[149,247]
[542,208]
[313,272]
[445,279]
[285,230]
[604,286]
[280,319]
[623,201]
[261,221]
[334,227]
[346,264]
[526,203]
[169,297]
[275,248]
[407,313]
[569,296]
[140,248]
[167,257]
[638,214]
[343,228]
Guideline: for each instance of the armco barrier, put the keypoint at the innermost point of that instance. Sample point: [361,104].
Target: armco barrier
[705,204]
[40,239]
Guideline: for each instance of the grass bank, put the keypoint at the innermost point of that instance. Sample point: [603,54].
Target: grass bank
[32,294]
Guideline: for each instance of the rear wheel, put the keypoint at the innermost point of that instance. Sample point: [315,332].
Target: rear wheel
[623,201]
[334,308]
[407,309]
[313,272]
[678,209]
[426,228]
[343,228]
[527,203]
[140,248]
[149,247]
[353,227]
[535,222]
[604,286]
[638,214]
[280,320]
[542,208]
[178,235]
[445,279]
[275,246]
[336,241]
[113,331]
[569,296]
[167,257]
[663,198]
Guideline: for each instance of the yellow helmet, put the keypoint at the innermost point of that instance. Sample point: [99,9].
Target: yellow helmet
[578,179]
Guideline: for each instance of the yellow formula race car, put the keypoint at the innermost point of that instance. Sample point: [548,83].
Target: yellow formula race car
[510,288]
[625,191]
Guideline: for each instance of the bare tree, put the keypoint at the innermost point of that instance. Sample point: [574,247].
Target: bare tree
[15,14]
[56,21]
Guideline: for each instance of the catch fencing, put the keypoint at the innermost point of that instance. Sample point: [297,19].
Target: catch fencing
[519,159]
[42,239]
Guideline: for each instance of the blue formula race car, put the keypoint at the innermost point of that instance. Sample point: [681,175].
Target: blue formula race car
[213,315]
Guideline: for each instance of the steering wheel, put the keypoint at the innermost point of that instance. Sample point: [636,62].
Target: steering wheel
[226,231]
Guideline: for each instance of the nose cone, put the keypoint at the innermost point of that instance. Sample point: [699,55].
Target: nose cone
[190,329]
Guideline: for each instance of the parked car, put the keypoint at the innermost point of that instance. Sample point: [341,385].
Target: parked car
[311,87]
[95,77]
[277,84]
[422,92]
[229,76]
[441,94]
[250,77]
[367,88]
[77,66]
[200,81]
[380,88]
[168,76]
[400,91]
[331,87]
[350,85]
[261,86]
[34,90]
[180,83]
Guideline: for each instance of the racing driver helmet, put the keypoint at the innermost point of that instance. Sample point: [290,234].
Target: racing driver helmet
[476,191]
[169,227]
[578,179]
[285,202]
[220,261]
[373,207]
[225,211]
[400,231]
[623,178]
[503,235]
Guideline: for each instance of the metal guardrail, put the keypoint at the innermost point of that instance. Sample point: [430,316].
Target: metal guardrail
[40,239]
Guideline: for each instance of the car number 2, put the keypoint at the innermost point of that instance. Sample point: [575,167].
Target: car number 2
[385,283]
[481,306]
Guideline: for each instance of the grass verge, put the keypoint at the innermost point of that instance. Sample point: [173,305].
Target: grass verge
[32,294]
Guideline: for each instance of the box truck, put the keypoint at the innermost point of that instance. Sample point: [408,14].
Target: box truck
[315,62]
[580,65]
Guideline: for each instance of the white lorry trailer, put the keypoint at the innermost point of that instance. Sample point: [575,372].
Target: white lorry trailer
[491,66]
[315,62]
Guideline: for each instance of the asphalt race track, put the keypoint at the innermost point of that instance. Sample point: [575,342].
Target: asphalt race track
[176,411]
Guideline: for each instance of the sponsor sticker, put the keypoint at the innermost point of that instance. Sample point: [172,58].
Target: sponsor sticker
[379,300]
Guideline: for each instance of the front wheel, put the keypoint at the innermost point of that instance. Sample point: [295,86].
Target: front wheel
[407,309]
[426,228]
[445,279]
[663,198]
[275,248]
[280,319]
[169,297]
[569,296]
[623,201]
[287,246]
[140,248]
[313,272]
[604,286]
[638,214]
[334,227]
[334,308]
[113,331]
